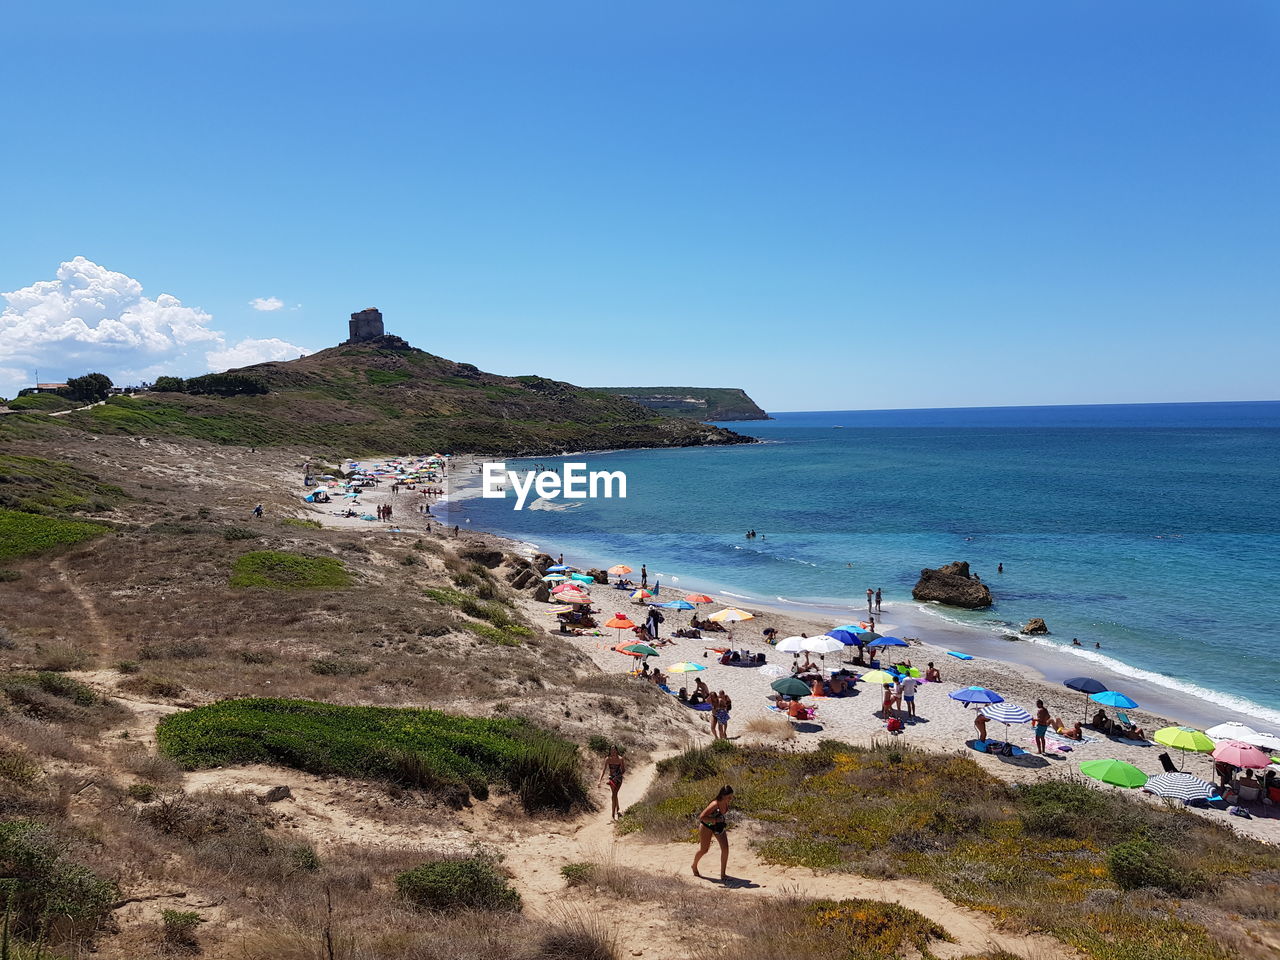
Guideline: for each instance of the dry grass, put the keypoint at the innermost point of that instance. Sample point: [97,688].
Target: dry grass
[771,728]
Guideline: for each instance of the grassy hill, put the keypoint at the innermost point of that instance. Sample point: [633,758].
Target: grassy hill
[384,396]
[698,403]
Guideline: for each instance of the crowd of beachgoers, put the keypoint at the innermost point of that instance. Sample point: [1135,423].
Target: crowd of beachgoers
[857,681]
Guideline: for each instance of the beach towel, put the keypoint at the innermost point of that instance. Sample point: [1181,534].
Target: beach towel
[1068,741]
[959,656]
[1052,744]
[1128,741]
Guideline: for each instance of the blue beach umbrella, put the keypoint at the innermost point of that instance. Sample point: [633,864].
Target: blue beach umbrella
[847,637]
[976,694]
[1114,698]
[675,605]
[1085,685]
[888,642]
[853,628]
[558,568]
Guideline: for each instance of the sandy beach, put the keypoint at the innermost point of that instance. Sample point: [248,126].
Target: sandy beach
[942,724]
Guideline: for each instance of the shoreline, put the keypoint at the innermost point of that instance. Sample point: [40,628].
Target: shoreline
[942,725]
[1047,661]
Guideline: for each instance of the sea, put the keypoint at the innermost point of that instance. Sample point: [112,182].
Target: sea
[1150,533]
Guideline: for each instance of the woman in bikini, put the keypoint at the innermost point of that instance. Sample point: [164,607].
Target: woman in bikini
[711,823]
[720,707]
[614,768]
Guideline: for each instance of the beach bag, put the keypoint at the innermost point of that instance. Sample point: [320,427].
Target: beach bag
[1240,812]
[894,725]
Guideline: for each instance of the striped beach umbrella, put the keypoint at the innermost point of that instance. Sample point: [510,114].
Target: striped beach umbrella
[1181,786]
[1006,713]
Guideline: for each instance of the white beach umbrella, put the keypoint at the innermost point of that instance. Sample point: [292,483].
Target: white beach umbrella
[790,645]
[772,670]
[1245,734]
[822,646]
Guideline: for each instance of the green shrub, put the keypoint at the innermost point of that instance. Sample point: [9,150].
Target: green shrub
[597,743]
[150,685]
[304,857]
[46,882]
[277,570]
[187,649]
[239,533]
[471,883]
[1143,863]
[576,874]
[9,576]
[700,762]
[422,748]
[306,524]
[26,533]
[180,928]
[128,666]
[18,767]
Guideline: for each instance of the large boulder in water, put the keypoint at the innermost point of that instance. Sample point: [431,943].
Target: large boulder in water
[953,585]
[1035,626]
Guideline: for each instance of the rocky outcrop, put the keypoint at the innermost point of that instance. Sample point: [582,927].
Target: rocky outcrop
[1035,626]
[542,594]
[600,576]
[275,795]
[952,585]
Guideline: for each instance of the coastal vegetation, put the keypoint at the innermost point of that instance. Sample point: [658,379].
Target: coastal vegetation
[1096,869]
[278,570]
[358,399]
[454,756]
[27,533]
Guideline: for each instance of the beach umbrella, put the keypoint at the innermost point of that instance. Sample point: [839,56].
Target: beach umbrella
[642,649]
[619,570]
[1240,754]
[1181,786]
[554,578]
[847,637]
[559,568]
[888,642]
[1085,685]
[772,670]
[867,638]
[641,595]
[853,628]
[1115,772]
[686,667]
[675,605]
[790,645]
[1113,698]
[573,596]
[568,588]
[878,677]
[731,615]
[976,694]
[1006,713]
[791,687]
[698,598]
[620,622]
[821,645]
[1245,734]
[626,652]
[1184,738]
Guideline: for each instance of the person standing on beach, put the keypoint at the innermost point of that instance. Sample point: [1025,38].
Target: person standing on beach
[644,577]
[980,723]
[871,595]
[879,596]
[1042,725]
[886,705]
[711,823]
[909,685]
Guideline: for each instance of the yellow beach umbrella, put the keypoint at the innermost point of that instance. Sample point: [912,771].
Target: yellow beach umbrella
[878,677]
[730,615]
[1184,738]
[685,667]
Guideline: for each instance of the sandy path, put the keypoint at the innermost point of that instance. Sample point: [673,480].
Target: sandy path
[97,626]
[592,839]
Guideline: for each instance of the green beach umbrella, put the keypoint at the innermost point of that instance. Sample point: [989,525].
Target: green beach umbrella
[791,687]
[641,648]
[1115,772]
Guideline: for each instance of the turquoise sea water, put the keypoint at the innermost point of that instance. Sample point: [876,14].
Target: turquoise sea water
[1151,529]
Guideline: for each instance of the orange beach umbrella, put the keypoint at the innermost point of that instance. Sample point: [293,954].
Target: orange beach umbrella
[620,623]
[697,598]
[619,569]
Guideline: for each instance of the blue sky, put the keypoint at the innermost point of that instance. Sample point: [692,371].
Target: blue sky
[833,205]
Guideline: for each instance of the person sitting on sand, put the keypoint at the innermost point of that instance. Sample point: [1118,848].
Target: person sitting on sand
[658,677]
[1100,721]
[838,684]
[700,691]
[770,634]
[808,666]
[816,688]
[797,710]
[932,674]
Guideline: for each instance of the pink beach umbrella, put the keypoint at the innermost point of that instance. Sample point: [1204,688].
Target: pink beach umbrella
[1239,754]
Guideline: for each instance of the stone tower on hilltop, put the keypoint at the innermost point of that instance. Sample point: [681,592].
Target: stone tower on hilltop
[366,325]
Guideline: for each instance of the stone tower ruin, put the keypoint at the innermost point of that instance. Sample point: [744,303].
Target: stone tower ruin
[366,325]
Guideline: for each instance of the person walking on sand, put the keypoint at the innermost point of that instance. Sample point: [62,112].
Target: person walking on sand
[615,766]
[1042,725]
[257,511]
[879,597]
[711,823]
[720,707]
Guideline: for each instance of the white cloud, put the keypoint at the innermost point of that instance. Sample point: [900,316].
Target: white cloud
[266,303]
[92,318]
[248,352]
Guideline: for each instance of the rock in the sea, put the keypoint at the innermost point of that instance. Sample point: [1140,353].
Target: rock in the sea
[953,585]
[1034,626]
